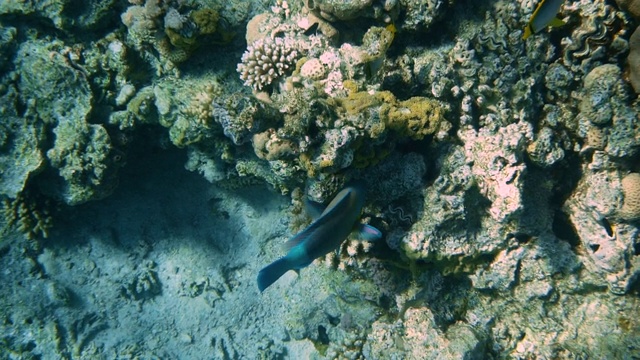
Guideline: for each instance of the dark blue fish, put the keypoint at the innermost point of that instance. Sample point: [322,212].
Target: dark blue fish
[324,235]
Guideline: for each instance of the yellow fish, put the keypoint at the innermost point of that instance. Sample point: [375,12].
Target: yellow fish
[544,15]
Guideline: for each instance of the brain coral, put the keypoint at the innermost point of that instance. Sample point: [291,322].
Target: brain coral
[313,69]
[631,206]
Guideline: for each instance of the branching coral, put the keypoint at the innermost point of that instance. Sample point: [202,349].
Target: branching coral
[28,213]
[267,60]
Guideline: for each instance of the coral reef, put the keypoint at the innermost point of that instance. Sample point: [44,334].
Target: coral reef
[7,41]
[595,209]
[502,172]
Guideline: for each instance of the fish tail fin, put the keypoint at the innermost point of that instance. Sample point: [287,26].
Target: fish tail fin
[273,272]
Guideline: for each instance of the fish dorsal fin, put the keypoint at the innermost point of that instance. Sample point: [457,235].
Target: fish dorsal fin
[366,232]
[314,209]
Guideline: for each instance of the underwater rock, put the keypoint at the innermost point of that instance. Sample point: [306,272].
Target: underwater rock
[476,200]
[242,116]
[605,104]
[498,166]
[167,36]
[57,94]
[634,60]
[65,14]
[20,155]
[8,39]
[609,245]
[50,85]
[395,177]
[333,10]
[544,150]
[419,336]
[420,15]
[632,6]
[82,156]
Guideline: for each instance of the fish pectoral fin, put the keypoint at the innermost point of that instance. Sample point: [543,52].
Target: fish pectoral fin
[556,22]
[527,32]
[299,238]
[366,232]
[314,209]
